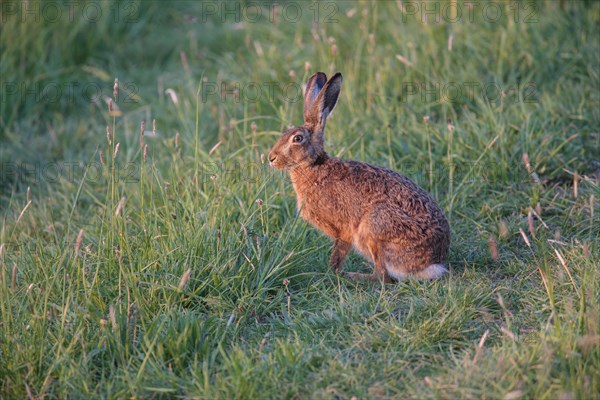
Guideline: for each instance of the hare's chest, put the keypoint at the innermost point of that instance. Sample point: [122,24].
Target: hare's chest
[321,211]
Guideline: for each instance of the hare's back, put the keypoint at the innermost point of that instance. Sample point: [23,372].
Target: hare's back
[375,184]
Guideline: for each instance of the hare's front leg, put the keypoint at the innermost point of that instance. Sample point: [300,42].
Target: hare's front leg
[339,254]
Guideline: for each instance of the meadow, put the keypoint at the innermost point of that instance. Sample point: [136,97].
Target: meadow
[147,250]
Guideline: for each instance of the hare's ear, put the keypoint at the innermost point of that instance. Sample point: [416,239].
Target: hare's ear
[313,88]
[326,101]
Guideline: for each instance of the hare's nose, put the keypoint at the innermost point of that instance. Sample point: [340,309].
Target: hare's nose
[272,157]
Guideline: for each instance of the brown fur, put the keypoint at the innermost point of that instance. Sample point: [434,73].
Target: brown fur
[385,216]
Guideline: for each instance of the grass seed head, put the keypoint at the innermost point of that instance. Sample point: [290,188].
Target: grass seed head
[493,244]
[116,89]
[450,126]
[173,95]
[530,223]
[120,205]
[525,158]
[78,241]
[142,129]
[112,315]
[557,235]
[502,229]
[13,280]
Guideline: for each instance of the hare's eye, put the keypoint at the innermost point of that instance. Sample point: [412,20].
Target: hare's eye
[298,138]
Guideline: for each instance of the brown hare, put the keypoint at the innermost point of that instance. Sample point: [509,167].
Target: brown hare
[385,216]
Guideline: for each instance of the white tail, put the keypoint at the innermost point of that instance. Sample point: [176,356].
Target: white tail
[434,271]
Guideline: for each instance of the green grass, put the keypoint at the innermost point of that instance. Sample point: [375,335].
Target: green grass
[94,300]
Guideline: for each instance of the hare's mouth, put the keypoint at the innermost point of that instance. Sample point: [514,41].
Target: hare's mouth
[280,164]
[276,162]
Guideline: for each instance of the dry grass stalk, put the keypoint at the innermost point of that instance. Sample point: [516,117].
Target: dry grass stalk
[30,395]
[525,238]
[530,171]
[112,315]
[586,250]
[530,223]
[13,280]
[249,261]
[480,350]
[537,212]
[142,129]
[184,279]
[514,395]
[215,147]
[403,60]
[564,265]
[23,212]
[508,333]
[262,344]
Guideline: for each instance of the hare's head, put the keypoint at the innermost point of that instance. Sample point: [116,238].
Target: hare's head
[304,145]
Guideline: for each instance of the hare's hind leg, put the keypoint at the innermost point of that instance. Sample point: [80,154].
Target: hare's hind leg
[379,274]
